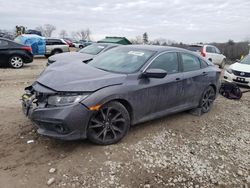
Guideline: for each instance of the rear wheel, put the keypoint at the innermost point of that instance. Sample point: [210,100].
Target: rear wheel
[56,52]
[16,62]
[81,46]
[207,99]
[109,125]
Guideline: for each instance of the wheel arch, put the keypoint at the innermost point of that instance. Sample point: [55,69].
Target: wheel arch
[214,87]
[126,104]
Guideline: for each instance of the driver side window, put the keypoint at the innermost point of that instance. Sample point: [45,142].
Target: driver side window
[167,62]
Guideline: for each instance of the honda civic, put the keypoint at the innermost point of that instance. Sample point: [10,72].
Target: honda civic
[122,87]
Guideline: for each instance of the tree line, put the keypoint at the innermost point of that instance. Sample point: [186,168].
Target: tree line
[232,50]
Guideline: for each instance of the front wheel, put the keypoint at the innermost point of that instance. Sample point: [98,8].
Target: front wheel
[109,125]
[207,99]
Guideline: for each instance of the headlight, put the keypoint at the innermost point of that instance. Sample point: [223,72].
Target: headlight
[62,100]
[229,70]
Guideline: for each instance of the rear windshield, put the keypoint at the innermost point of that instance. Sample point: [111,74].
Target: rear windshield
[246,60]
[93,49]
[195,48]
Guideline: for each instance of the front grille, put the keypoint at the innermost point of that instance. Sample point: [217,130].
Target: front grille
[242,74]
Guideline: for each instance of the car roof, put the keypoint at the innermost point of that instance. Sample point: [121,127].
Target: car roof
[155,48]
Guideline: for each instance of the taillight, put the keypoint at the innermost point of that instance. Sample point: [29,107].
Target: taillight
[203,53]
[27,48]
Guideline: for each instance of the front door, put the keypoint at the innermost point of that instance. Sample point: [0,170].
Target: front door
[160,95]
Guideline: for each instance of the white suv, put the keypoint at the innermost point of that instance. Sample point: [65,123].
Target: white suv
[209,52]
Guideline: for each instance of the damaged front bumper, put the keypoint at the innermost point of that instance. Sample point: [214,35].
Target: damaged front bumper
[65,122]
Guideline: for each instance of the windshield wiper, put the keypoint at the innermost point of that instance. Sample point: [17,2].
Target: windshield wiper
[87,60]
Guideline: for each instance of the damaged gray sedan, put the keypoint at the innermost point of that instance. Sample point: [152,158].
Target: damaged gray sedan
[122,87]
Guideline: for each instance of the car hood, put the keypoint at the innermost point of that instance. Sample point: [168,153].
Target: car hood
[240,67]
[71,56]
[77,78]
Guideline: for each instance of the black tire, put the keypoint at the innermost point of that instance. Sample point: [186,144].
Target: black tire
[57,51]
[16,62]
[109,125]
[80,46]
[207,99]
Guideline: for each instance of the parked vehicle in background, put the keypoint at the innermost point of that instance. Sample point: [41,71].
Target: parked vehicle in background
[14,54]
[83,55]
[102,99]
[69,42]
[239,72]
[32,31]
[82,43]
[36,42]
[55,46]
[209,52]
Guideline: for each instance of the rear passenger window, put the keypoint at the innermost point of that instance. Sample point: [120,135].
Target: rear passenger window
[167,62]
[190,62]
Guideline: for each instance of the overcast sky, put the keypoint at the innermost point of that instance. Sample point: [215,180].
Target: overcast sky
[180,20]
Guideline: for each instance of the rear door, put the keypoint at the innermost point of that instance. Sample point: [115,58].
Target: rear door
[193,79]
[4,51]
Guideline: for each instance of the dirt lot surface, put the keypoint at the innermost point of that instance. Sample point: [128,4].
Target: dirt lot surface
[180,150]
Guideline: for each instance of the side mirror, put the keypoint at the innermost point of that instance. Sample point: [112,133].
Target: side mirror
[154,73]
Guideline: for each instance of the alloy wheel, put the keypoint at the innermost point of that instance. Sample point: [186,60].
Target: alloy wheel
[108,125]
[16,62]
[207,100]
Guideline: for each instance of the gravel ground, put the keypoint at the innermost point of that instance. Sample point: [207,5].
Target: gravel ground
[180,150]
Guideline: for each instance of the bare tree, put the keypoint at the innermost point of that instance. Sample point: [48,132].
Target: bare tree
[63,34]
[137,40]
[46,29]
[83,34]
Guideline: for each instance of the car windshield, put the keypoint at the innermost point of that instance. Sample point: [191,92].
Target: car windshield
[93,49]
[246,60]
[122,60]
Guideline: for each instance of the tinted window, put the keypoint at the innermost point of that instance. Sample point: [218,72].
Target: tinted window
[190,62]
[3,43]
[122,60]
[167,62]
[54,42]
